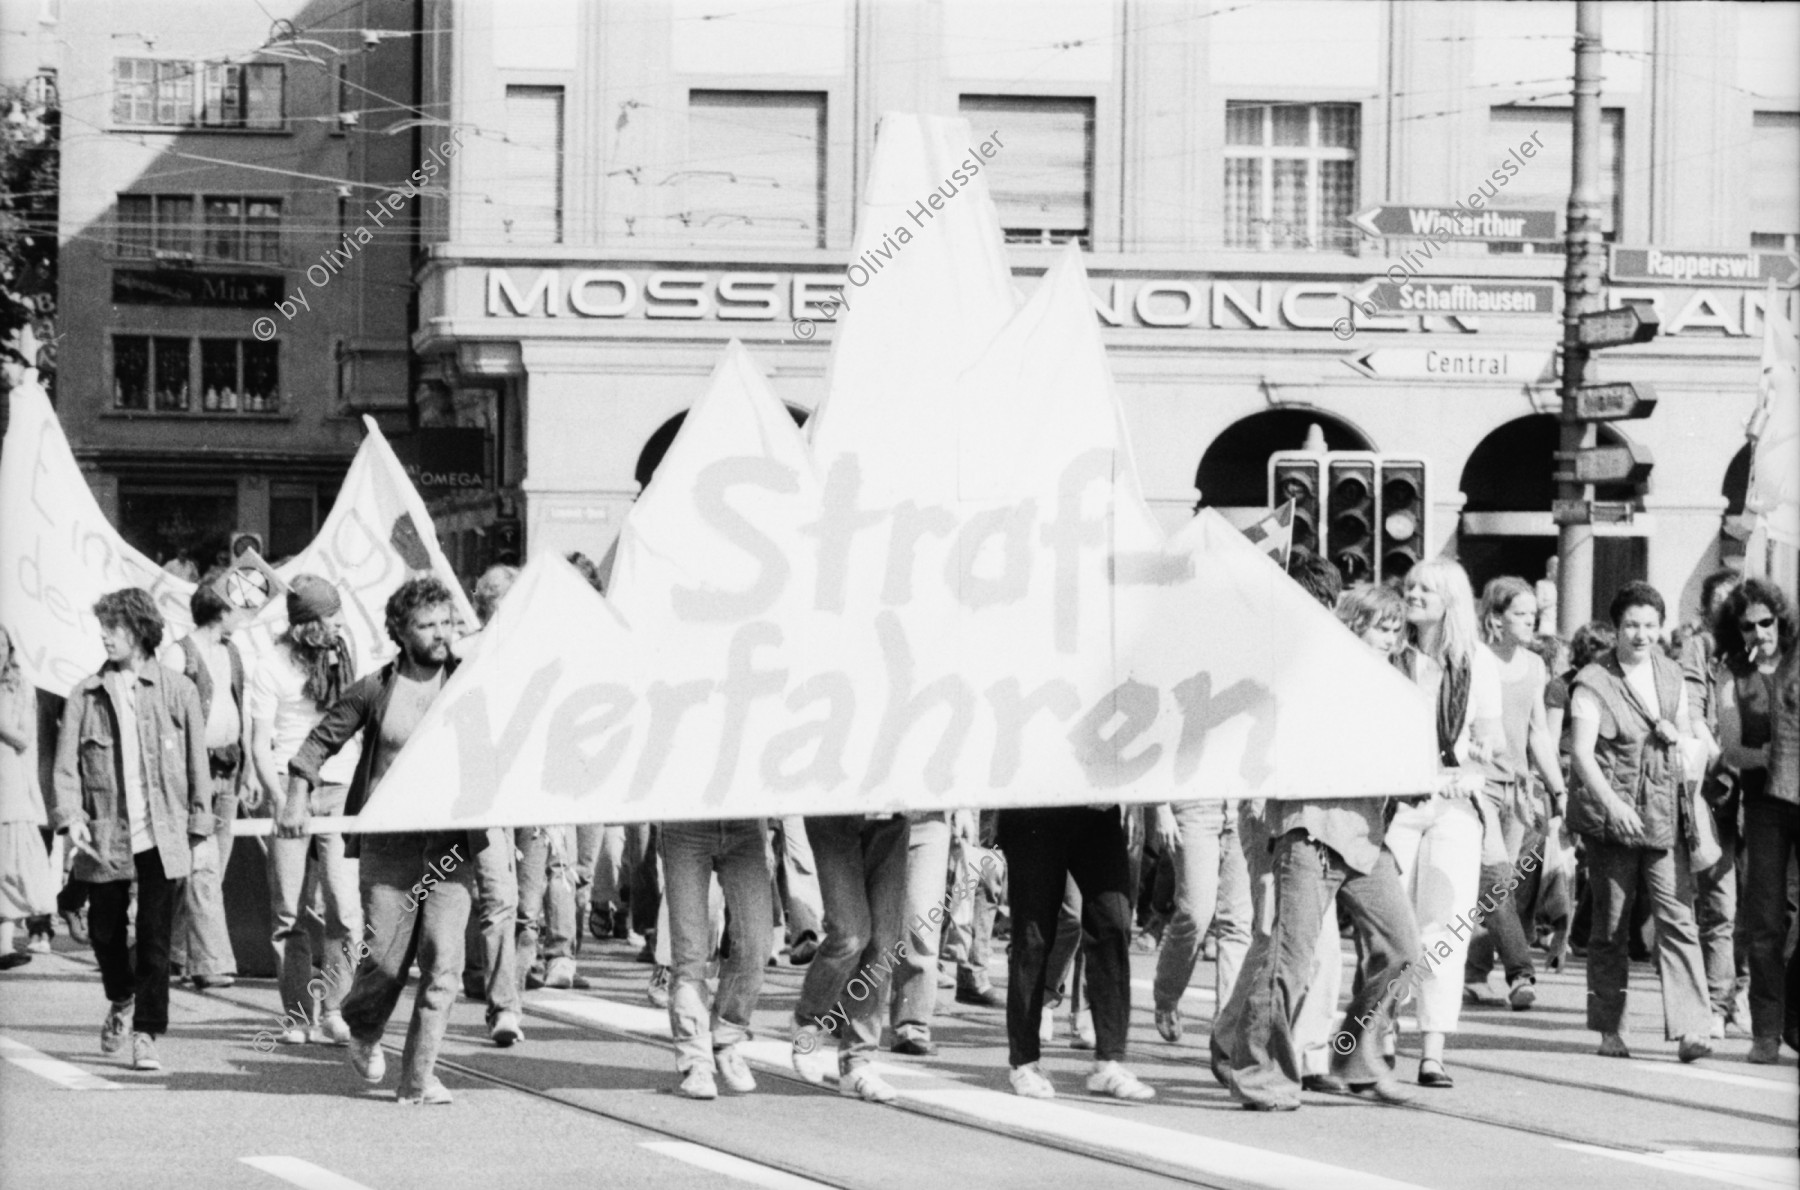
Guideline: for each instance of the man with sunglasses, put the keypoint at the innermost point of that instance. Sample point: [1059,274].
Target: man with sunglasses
[1759,720]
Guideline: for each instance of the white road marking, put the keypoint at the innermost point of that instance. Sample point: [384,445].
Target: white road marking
[302,1173]
[1168,1147]
[1032,1119]
[732,1167]
[1735,1169]
[1653,1066]
[69,1078]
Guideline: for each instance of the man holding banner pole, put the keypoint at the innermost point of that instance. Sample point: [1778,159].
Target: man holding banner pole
[417,887]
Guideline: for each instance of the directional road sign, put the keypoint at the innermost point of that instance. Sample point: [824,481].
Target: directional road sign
[1457,223]
[1614,402]
[1669,266]
[1633,322]
[1606,464]
[1465,297]
[1454,363]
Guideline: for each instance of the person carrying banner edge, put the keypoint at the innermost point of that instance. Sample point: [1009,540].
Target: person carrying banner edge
[417,887]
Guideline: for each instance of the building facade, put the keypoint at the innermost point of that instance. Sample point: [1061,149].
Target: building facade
[643,181]
[223,327]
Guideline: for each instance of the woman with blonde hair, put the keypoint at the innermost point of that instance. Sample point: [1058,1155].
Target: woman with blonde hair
[1437,841]
[1514,815]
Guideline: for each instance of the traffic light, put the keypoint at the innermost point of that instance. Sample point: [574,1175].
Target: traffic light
[1403,511]
[1296,475]
[1351,514]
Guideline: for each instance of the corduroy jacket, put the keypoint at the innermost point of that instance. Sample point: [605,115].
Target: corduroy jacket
[90,784]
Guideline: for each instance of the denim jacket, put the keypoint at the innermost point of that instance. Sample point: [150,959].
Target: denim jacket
[90,784]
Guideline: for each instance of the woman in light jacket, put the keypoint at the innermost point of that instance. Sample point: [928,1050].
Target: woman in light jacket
[1438,841]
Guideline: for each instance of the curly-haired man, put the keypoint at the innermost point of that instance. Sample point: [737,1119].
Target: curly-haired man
[134,793]
[417,887]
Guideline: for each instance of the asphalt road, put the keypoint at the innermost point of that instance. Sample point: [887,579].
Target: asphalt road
[589,1099]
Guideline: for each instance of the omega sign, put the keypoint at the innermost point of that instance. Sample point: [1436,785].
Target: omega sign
[1248,303]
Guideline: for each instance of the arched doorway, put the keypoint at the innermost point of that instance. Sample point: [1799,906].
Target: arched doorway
[1234,471]
[1508,486]
[651,457]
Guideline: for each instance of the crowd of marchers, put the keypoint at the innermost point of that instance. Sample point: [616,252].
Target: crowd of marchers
[1631,793]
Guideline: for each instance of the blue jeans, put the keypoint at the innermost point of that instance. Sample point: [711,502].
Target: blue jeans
[202,943]
[738,851]
[546,895]
[1309,877]
[296,866]
[1209,878]
[862,880]
[915,977]
[491,957]
[403,924]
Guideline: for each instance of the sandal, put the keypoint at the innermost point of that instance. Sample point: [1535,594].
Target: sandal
[1438,1077]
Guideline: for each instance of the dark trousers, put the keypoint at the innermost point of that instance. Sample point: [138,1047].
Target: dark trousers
[1771,837]
[1043,849]
[145,976]
[1309,878]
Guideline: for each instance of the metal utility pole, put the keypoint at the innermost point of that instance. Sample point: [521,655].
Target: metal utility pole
[1585,262]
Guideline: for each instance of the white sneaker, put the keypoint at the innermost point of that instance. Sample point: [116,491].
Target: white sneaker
[1029,1081]
[333,1029]
[143,1052]
[698,1083]
[810,1061]
[733,1071]
[367,1060]
[863,1083]
[1112,1079]
[291,1037]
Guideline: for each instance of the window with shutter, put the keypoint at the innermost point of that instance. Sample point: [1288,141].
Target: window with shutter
[1544,184]
[533,213]
[1042,181]
[755,169]
[1775,178]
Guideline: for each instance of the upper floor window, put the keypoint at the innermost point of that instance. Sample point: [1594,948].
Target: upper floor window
[156,92]
[1543,182]
[247,229]
[1042,182]
[1775,180]
[755,168]
[231,228]
[157,374]
[1290,175]
[534,165]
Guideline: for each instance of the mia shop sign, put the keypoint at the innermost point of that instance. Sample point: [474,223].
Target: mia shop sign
[1137,301]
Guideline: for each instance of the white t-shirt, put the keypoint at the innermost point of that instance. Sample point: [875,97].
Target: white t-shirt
[1485,697]
[1642,680]
[276,697]
[123,688]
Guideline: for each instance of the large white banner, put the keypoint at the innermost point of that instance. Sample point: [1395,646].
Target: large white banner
[59,554]
[952,595]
